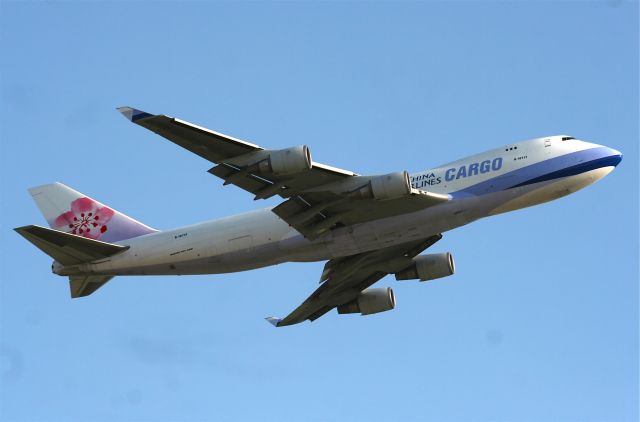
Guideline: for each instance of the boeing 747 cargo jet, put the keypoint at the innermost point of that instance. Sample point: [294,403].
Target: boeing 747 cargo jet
[365,227]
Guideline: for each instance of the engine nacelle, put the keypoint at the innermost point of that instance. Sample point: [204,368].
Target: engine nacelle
[287,161]
[370,301]
[391,186]
[429,267]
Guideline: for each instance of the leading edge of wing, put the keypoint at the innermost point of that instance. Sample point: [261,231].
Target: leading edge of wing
[332,169]
[133,114]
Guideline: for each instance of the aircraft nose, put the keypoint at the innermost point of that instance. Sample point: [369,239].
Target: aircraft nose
[614,156]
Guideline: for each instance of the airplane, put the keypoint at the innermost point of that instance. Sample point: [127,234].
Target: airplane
[364,227]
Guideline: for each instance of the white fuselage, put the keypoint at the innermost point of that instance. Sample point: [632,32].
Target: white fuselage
[504,179]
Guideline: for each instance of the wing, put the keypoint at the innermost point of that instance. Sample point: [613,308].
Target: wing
[317,197]
[344,278]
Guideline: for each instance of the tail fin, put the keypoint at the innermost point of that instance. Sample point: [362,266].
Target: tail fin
[72,212]
[70,251]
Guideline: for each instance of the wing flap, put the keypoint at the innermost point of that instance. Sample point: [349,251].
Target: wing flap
[245,181]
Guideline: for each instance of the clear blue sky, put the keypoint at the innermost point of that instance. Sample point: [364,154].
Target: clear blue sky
[540,322]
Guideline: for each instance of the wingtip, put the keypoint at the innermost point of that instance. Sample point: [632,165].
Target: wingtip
[133,114]
[273,320]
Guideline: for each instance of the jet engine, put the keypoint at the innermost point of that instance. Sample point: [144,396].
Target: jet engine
[384,187]
[287,161]
[391,186]
[370,301]
[428,267]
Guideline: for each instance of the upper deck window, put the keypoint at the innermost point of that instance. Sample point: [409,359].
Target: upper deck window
[566,138]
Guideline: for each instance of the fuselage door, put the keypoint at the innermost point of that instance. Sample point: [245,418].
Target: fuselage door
[240,244]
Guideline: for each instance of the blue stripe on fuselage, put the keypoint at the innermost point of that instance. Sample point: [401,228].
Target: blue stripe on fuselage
[610,161]
[553,168]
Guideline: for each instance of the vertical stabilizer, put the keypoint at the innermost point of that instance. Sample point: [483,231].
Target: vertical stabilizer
[72,212]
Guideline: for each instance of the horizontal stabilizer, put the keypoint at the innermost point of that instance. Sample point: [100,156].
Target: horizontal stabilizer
[85,285]
[68,249]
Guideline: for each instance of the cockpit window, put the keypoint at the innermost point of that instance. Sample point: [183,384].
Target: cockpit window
[566,138]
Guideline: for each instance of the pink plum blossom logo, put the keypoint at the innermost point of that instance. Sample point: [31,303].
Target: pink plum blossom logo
[86,218]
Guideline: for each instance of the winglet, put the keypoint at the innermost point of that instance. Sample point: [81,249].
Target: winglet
[133,114]
[273,320]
